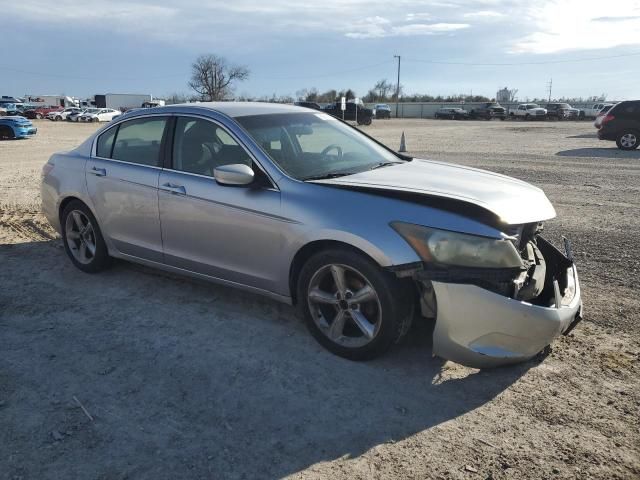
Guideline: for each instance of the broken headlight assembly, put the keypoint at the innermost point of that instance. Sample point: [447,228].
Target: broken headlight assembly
[458,249]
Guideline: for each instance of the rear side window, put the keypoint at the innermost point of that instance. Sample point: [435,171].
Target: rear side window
[105,143]
[138,141]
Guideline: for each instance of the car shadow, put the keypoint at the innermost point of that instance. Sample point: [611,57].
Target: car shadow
[599,153]
[584,135]
[185,379]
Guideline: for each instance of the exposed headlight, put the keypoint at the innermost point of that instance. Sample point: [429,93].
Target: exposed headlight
[459,249]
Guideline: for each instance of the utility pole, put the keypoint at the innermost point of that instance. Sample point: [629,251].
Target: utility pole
[397,85]
[549,86]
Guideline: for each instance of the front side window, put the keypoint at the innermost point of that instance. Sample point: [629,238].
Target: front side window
[199,146]
[139,140]
[314,145]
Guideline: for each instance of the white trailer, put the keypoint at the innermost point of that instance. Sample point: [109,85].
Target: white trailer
[121,101]
[51,101]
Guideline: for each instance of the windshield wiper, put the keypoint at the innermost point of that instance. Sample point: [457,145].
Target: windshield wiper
[326,176]
[383,164]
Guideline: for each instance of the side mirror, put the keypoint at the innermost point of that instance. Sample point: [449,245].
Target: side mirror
[233,174]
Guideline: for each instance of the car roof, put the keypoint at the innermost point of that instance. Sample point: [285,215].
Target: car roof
[242,109]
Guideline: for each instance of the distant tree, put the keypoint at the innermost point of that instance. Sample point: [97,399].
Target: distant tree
[383,87]
[177,97]
[312,95]
[213,78]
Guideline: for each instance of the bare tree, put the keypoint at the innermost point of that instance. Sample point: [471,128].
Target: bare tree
[383,87]
[212,77]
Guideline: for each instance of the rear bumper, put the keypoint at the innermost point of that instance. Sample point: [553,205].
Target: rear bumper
[606,134]
[479,328]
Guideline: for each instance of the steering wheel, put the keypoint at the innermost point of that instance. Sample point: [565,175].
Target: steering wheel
[333,146]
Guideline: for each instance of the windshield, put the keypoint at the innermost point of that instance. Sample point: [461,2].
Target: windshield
[315,145]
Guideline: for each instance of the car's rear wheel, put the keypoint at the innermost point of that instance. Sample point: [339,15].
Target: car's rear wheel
[6,133]
[351,306]
[38,116]
[628,140]
[83,239]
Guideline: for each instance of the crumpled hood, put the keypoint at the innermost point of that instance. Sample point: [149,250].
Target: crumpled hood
[512,200]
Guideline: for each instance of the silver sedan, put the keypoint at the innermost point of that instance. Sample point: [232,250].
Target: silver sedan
[297,205]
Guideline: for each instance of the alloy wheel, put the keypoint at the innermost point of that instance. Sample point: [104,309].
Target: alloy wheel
[628,140]
[344,305]
[81,237]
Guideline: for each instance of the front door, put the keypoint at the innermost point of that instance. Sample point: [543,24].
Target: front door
[232,233]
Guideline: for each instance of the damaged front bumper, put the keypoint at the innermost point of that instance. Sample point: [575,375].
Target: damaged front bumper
[480,326]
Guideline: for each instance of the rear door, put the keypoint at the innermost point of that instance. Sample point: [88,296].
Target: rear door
[122,180]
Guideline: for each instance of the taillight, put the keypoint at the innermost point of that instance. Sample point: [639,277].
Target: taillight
[606,119]
[46,169]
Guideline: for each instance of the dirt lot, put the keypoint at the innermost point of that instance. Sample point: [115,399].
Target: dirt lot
[191,380]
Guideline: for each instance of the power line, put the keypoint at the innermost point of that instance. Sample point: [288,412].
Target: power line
[81,77]
[509,64]
[332,74]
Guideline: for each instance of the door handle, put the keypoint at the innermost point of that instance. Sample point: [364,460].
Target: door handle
[100,172]
[175,189]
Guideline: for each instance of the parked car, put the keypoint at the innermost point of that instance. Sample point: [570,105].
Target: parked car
[40,112]
[308,210]
[382,110]
[529,111]
[313,105]
[622,125]
[364,115]
[561,111]
[488,111]
[58,115]
[593,111]
[102,115]
[75,116]
[451,114]
[13,109]
[16,127]
[598,121]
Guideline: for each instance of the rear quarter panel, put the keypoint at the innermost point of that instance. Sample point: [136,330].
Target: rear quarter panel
[66,179]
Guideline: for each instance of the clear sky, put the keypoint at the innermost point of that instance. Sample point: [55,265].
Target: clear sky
[84,47]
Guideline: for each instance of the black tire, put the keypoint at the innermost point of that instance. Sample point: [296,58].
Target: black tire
[582,115]
[396,302]
[57,118]
[502,119]
[101,259]
[527,116]
[628,140]
[6,133]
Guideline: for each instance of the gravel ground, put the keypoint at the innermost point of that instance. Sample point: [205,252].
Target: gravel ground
[181,379]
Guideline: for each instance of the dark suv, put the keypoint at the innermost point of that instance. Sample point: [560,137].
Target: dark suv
[313,105]
[488,111]
[622,124]
[561,111]
[364,117]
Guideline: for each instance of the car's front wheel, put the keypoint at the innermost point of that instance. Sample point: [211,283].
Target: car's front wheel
[83,239]
[351,306]
[6,133]
[628,140]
